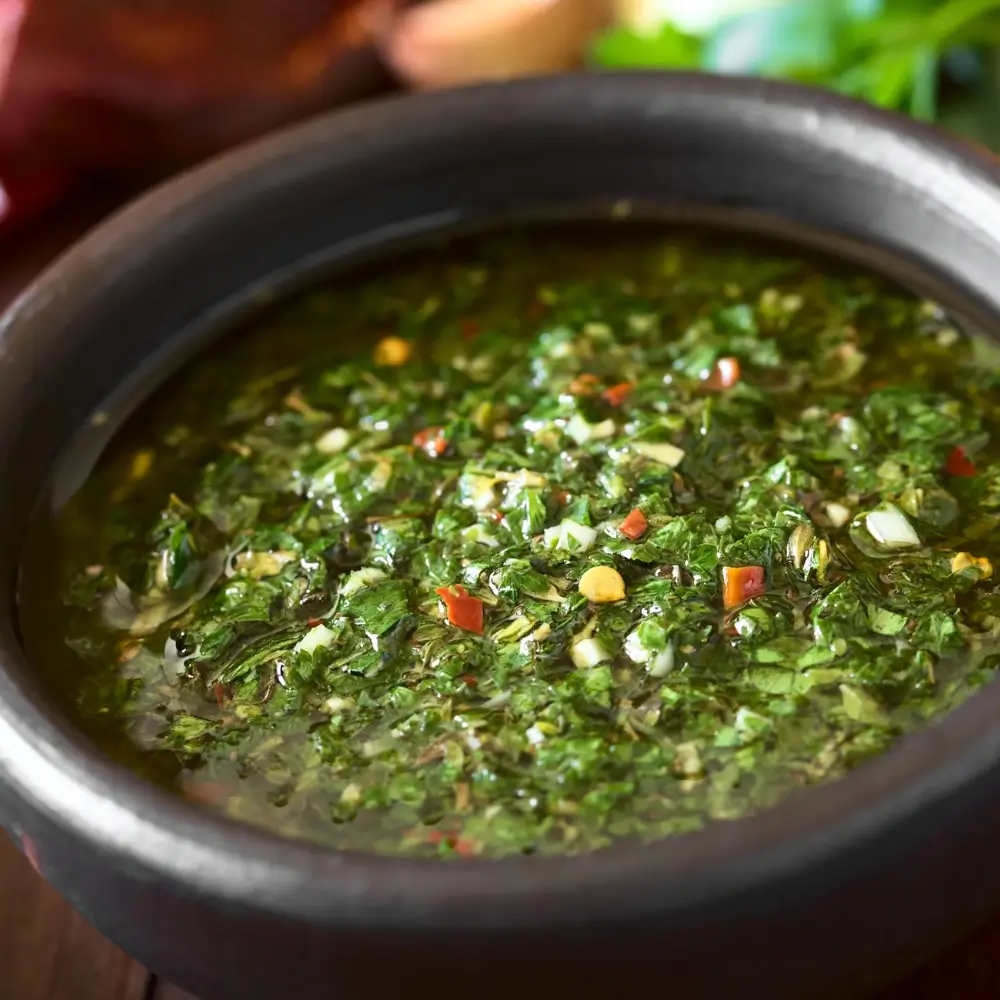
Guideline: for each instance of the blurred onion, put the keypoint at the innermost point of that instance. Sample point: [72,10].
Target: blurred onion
[445,43]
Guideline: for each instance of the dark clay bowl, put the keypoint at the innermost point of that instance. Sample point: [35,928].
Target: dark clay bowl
[828,895]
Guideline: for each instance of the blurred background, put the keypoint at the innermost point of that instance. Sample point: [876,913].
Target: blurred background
[113,95]
[933,59]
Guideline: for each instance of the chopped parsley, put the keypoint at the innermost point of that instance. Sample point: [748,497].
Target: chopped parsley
[537,543]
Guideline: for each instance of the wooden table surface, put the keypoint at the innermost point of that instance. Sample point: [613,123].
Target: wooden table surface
[49,952]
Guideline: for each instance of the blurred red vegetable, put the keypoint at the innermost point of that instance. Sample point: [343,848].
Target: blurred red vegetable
[464,610]
[432,441]
[958,463]
[725,374]
[634,525]
[741,583]
[583,384]
[143,87]
[221,694]
[617,394]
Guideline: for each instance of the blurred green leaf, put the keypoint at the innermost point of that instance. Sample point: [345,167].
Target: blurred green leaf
[668,48]
[924,90]
[976,113]
[800,36]
[905,79]
[888,52]
[944,21]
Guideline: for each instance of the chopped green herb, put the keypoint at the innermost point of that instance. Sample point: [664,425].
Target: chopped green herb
[594,538]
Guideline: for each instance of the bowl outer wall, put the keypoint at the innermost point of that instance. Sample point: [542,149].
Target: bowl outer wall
[841,886]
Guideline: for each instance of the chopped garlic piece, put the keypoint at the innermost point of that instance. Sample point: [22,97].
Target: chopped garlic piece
[361,578]
[315,638]
[478,490]
[541,633]
[535,736]
[333,441]
[890,528]
[663,662]
[838,514]
[664,453]
[258,565]
[588,653]
[336,704]
[569,536]
[687,760]
[635,650]
[378,478]
[581,431]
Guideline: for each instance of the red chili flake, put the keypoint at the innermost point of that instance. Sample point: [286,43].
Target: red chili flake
[221,694]
[617,394]
[496,516]
[469,680]
[958,463]
[313,622]
[583,384]
[635,525]
[741,583]
[464,847]
[725,374]
[562,497]
[464,610]
[432,441]
[453,838]
[469,328]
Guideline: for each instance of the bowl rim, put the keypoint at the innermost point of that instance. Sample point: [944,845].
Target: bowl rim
[52,767]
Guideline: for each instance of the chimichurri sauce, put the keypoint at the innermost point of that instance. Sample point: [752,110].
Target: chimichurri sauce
[536,543]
